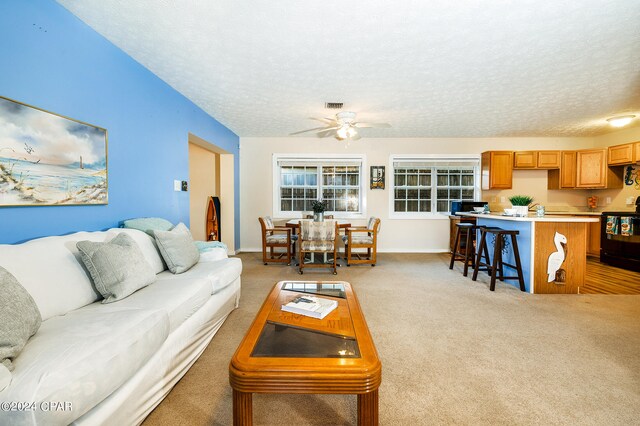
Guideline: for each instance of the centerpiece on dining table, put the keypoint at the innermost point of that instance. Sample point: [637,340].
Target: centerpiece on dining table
[318,207]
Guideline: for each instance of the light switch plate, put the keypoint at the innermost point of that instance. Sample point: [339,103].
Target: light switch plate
[177,185]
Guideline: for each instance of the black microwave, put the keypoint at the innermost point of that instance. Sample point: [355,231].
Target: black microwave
[465,206]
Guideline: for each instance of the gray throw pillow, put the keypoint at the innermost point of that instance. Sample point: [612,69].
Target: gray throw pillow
[19,318]
[118,267]
[177,248]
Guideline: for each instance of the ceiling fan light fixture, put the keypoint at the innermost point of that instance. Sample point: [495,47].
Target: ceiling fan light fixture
[346,131]
[621,120]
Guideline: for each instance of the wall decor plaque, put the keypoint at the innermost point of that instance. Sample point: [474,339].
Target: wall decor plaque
[47,159]
[377,177]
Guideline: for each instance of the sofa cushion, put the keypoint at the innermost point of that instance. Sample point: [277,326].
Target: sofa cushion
[177,248]
[148,224]
[118,267]
[218,274]
[19,318]
[178,297]
[51,270]
[82,357]
[147,245]
[213,255]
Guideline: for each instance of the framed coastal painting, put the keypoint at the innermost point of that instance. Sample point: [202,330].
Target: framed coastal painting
[49,160]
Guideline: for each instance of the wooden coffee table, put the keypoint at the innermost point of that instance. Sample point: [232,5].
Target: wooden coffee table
[289,353]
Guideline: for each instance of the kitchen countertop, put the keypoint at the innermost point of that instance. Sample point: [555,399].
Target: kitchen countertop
[575,213]
[534,218]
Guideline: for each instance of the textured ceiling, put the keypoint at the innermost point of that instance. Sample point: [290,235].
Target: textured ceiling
[467,68]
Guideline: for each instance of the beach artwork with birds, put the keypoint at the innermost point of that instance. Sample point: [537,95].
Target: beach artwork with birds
[48,159]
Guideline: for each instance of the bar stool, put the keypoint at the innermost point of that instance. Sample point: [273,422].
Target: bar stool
[467,232]
[495,267]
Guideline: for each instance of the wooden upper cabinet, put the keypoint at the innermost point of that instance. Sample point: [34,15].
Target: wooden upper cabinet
[536,160]
[593,172]
[591,167]
[525,160]
[621,154]
[636,152]
[565,176]
[497,169]
[548,159]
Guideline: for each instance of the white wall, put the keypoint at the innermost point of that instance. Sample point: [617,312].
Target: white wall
[402,235]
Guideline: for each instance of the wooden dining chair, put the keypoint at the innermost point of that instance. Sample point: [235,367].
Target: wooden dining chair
[274,238]
[362,237]
[317,238]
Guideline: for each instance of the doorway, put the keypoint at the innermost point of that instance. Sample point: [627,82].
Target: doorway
[211,171]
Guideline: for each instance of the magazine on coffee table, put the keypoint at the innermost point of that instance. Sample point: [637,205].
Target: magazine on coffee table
[311,306]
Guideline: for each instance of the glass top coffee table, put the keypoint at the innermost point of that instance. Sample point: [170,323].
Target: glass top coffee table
[289,353]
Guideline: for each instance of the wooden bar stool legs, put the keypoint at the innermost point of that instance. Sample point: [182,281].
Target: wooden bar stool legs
[495,266]
[466,231]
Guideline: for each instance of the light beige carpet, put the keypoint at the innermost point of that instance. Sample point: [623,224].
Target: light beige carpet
[452,353]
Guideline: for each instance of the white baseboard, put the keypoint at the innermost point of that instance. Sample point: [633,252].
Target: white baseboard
[404,250]
[387,250]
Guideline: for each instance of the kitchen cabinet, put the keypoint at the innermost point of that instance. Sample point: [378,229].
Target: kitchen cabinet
[536,160]
[593,237]
[525,160]
[548,159]
[593,171]
[620,155]
[497,169]
[565,176]
[636,152]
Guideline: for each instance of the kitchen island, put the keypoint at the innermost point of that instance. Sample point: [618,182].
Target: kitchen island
[553,249]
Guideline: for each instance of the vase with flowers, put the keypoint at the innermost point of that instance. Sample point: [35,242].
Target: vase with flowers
[318,207]
[521,204]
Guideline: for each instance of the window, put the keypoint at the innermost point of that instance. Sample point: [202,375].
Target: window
[429,185]
[298,181]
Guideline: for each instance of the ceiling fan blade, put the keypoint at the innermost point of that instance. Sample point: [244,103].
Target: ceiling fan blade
[328,132]
[330,121]
[378,125]
[310,130]
[355,137]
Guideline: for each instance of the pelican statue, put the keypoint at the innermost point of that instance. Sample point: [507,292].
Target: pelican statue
[557,257]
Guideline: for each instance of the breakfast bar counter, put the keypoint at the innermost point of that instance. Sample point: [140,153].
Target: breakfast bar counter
[553,249]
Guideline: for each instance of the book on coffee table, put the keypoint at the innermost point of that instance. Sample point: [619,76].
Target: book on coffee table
[311,306]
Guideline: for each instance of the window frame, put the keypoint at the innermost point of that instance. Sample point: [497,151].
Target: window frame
[430,158]
[319,159]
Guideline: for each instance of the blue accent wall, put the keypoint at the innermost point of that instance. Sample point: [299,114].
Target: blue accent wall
[52,60]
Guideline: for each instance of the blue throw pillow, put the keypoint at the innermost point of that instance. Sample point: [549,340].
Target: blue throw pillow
[148,224]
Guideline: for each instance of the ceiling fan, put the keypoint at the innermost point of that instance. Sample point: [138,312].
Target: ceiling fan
[343,126]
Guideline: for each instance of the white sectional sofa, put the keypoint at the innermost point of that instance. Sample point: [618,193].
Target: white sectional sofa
[92,363]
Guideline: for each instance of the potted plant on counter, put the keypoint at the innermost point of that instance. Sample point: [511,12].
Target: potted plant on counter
[521,204]
[318,207]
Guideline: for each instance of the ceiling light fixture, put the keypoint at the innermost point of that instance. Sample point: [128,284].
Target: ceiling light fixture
[620,121]
[346,131]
